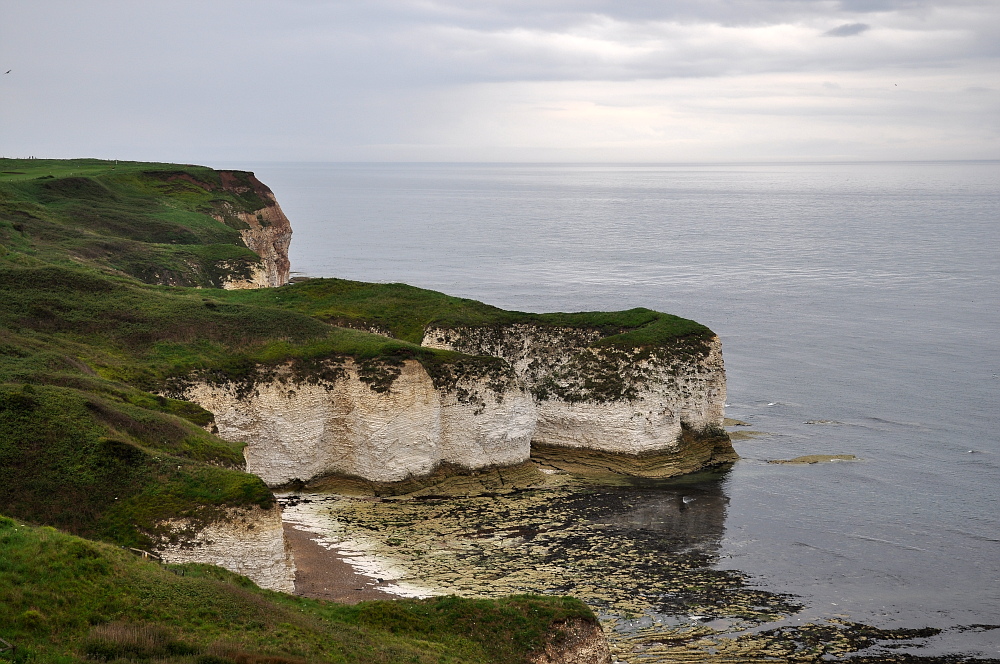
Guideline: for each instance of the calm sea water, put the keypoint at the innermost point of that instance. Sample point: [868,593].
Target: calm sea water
[863,296]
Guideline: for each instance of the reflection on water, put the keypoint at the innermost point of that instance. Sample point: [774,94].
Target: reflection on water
[688,517]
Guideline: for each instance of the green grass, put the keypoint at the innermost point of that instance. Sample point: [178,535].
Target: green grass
[154,222]
[60,322]
[63,599]
[108,469]
[405,311]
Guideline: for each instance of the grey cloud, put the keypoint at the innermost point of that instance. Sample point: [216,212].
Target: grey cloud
[234,77]
[848,30]
[556,14]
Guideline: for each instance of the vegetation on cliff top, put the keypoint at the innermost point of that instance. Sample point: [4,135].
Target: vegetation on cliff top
[154,222]
[108,469]
[406,311]
[64,599]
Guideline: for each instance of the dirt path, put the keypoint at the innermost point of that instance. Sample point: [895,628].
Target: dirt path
[321,573]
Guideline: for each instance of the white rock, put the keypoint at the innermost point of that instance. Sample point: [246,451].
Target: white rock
[666,392]
[297,430]
[249,541]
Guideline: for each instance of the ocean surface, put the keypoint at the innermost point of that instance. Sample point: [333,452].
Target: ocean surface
[859,310]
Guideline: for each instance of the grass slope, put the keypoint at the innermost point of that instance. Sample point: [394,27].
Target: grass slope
[63,599]
[154,222]
[405,311]
[105,468]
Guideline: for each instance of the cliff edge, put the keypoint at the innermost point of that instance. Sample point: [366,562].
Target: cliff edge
[457,383]
[165,224]
[264,230]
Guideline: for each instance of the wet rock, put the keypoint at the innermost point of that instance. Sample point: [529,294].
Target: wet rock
[816,458]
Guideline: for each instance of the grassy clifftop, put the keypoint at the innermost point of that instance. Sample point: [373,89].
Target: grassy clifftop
[158,223]
[406,311]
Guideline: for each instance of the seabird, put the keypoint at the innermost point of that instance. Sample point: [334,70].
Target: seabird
[687,499]
[8,71]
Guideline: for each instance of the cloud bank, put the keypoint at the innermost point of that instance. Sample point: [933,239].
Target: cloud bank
[509,80]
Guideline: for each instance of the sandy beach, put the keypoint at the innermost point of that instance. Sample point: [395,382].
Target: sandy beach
[321,573]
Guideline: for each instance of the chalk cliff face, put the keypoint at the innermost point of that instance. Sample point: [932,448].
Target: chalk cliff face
[249,541]
[634,401]
[385,429]
[653,412]
[268,233]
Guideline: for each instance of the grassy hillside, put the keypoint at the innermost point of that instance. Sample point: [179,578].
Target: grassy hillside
[63,599]
[105,468]
[84,442]
[155,222]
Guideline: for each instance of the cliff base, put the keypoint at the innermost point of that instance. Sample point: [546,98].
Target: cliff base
[699,451]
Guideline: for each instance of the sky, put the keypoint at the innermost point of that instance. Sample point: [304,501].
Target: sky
[211,81]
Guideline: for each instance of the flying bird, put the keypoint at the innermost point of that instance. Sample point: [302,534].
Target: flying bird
[8,71]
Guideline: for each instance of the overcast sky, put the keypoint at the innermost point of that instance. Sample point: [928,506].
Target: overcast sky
[211,81]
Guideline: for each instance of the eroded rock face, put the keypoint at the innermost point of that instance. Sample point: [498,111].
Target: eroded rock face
[249,541]
[654,412]
[533,351]
[623,401]
[299,429]
[574,641]
[268,234]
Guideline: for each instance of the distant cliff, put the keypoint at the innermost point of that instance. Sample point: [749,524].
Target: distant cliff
[166,224]
[265,230]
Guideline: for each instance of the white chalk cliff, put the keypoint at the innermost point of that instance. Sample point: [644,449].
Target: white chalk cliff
[553,390]
[630,401]
[645,411]
[249,541]
[297,429]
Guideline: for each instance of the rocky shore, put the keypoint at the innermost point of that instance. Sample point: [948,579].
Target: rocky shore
[640,552]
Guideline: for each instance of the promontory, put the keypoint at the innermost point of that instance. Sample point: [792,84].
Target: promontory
[159,376]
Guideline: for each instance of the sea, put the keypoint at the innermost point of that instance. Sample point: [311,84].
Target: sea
[859,310]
